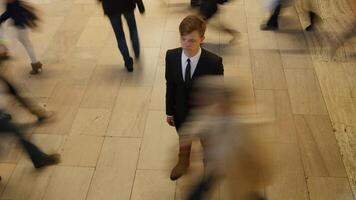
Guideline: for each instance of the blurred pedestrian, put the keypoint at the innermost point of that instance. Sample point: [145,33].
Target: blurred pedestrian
[114,9]
[37,156]
[24,17]
[209,8]
[218,123]
[276,6]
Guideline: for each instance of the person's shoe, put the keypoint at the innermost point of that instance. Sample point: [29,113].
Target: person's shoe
[129,67]
[181,167]
[51,159]
[269,27]
[36,68]
[314,19]
[129,64]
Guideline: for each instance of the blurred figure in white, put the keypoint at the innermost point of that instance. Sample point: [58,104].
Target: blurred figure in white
[23,16]
[225,130]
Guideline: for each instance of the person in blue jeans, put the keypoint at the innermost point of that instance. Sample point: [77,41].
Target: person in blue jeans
[114,9]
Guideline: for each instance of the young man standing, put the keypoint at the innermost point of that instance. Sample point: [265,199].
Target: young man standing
[183,66]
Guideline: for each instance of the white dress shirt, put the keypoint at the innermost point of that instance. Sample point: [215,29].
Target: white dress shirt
[193,63]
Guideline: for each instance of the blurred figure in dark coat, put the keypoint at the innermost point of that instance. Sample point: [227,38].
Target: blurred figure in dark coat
[37,156]
[114,9]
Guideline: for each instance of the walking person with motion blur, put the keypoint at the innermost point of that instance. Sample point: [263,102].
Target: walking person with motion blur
[114,9]
[276,6]
[24,17]
[38,157]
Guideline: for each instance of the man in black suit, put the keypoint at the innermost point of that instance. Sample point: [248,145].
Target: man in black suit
[183,66]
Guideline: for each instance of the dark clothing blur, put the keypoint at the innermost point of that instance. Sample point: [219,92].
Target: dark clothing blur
[36,155]
[177,91]
[209,8]
[21,13]
[7,127]
[115,7]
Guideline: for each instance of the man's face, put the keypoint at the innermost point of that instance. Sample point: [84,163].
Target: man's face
[191,42]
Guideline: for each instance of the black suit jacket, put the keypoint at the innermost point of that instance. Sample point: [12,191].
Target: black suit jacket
[177,93]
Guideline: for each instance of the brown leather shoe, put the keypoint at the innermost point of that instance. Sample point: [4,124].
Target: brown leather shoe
[36,68]
[181,167]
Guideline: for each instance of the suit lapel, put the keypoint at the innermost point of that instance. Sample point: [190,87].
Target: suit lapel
[179,65]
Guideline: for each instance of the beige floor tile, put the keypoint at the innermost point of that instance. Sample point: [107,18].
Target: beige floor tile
[158,94]
[345,136]
[268,70]
[341,109]
[65,108]
[153,185]
[18,186]
[102,88]
[260,39]
[277,105]
[319,149]
[129,114]
[159,144]
[296,59]
[332,79]
[69,183]
[6,171]
[325,188]
[11,150]
[289,179]
[91,122]
[145,69]
[91,37]
[81,150]
[304,92]
[238,53]
[115,171]
[153,31]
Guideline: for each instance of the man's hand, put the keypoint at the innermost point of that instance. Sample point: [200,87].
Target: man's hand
[170,120]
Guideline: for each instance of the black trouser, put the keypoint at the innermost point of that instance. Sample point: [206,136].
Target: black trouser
[36,155]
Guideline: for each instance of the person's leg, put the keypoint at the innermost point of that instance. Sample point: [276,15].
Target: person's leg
[183,156]
[272,22]
[37,156]
[116,24]
[22,35]
[131,23]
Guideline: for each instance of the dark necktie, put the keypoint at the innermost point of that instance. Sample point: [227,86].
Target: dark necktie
[187,73]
